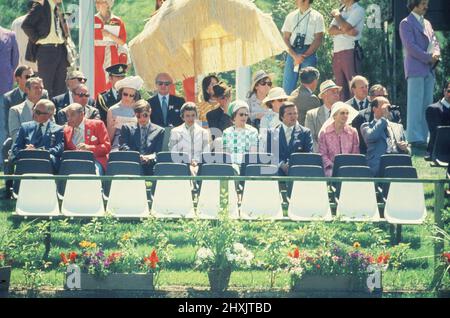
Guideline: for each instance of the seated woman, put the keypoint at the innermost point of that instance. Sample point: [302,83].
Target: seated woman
[123,112]
[337,137]
[261,84]
[209,102]
[189,137]
[239,138]
[273,102]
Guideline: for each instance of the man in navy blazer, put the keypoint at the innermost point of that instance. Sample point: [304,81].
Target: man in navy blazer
[73,80]
[144,137]
[41,133]
[382,136]
[165,107]
[288,137]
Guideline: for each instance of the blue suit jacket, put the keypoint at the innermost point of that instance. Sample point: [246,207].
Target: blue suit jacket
[52,140]
[130,139]
[375,136]
[301,141]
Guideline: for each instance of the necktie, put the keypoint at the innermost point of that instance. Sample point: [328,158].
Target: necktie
[143,138]
[422,22]
[76,139]
[361,105]
[164,109]
[391,147]
[288,135]
[191,131]
[38,136]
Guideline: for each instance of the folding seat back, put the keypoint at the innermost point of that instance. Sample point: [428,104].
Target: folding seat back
[132,156]
[72,166]
[441,147]
[33,154]
[261,199]
[348,160]
[83,198]
[393,160]
[255,158]
[120,168]
[216,157]
[172,198]
[25,166]
[172,157]
[77,155]
[305,159]
[37,198]
[128,198]
[397,172]
[405,203]
[210,195]
[357,200]
[308,199]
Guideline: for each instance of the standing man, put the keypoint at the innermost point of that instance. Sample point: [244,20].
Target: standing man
[85,134]
[304,97]
[360,89]
[41,133]
[422,53]
[315,118]
[46,30]
[288,137]
[111,96]
[165,107]
[144,137]
[303,31]
[346,30]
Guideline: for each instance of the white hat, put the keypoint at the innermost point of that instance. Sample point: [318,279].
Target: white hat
[352,113]
[134,82]
[329,84]
[274,94]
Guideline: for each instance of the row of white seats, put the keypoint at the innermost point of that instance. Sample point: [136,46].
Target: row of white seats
[261,199]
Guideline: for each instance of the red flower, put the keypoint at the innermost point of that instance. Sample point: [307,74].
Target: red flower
[383,258]
[318,266]
[64,258]
[73,256]
[152,260]
[2,256]
[446,257]
[114,257]
[296,253]
[371,260]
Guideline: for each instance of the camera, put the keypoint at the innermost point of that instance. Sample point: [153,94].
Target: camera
[299,41]
[394,107]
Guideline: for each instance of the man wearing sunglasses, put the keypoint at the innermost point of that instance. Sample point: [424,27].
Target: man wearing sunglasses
[144,137]
[438,114]
[165,107]
[73,80]
[80,96]
[41,133]
[85,134]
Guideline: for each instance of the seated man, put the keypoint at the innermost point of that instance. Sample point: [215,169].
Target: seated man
[80,96]
[289,137]
[190,137]
[360,89]
[41,133]
[73,79]
[144,137]
[81,133]
[438,114]
[382,136]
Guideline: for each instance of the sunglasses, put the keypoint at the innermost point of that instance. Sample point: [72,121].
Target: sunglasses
[160,83]
[243,114]
[126,95]
[30,76]
[265,83]
[281,100]
[38,112]
[143,115]
[80,79]
[83,95]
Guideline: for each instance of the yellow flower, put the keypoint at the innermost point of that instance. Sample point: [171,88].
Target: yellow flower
[86,244]
[356,245]
[126,236]
[93,245]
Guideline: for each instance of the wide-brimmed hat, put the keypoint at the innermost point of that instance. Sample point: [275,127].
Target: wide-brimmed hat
[221,89]
[328,84]
[236,105]
[134,82]
[274,94]
[352,113]
[259,76]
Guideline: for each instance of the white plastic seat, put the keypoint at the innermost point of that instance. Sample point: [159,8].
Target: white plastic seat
[128,198]
[309,201]
[37,197]
[261,199]
[83,198]
[209,200]
[358,202]
[173,199]
[405,204]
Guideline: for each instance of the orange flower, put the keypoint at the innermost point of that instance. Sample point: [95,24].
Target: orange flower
[356,245]
[73,256]
[114,257]
[296,253]
[152,260]
[64,258]
[383,258]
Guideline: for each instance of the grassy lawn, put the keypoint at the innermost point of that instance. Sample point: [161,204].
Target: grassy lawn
[415,274]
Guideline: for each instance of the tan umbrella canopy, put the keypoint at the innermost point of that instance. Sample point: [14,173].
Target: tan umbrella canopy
[193,37]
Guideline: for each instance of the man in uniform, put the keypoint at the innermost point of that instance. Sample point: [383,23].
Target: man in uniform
[110,97]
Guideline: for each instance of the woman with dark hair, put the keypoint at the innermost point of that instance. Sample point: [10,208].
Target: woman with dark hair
[123,112]
[208,102]
[261,85]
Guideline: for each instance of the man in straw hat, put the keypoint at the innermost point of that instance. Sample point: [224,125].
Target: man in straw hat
[315,118]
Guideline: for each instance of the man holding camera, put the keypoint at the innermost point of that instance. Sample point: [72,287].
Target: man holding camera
[303,31]
[381,135]
[422,53]
[346,30]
